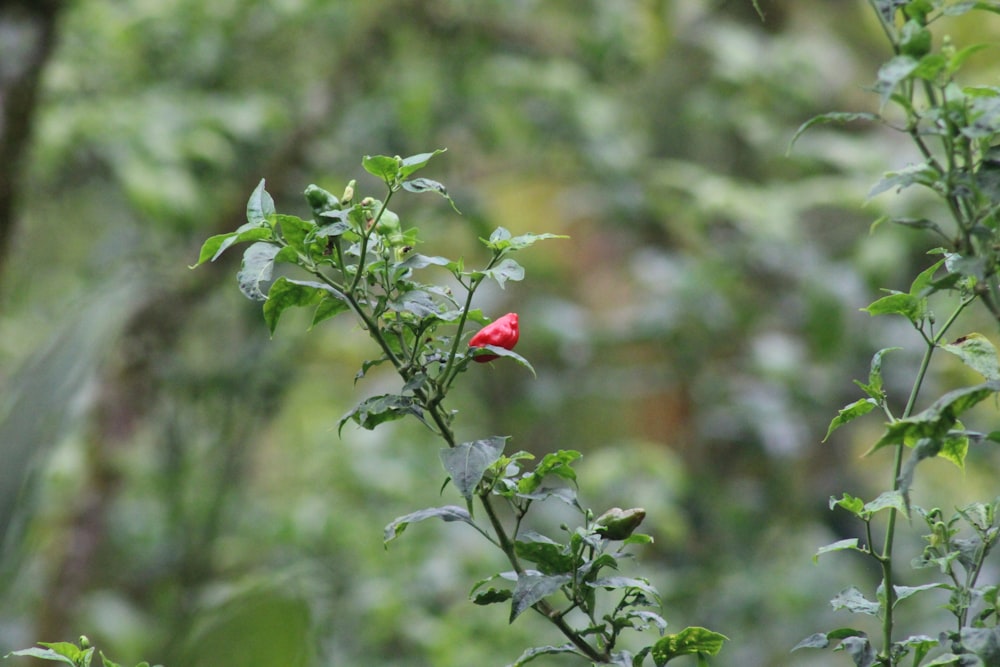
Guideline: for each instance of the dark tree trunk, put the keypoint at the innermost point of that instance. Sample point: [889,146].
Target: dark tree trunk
[29,34]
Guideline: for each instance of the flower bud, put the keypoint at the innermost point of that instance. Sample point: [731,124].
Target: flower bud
[348,193]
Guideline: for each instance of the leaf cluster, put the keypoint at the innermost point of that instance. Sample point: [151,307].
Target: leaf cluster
[361,259]
[81,654]
[956,129]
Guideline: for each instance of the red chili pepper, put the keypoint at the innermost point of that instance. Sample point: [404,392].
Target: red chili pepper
[501,333]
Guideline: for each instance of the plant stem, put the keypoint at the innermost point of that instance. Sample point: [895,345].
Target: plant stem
[365,235]
[885,26]
[885,559]
[448,375]
[431,403]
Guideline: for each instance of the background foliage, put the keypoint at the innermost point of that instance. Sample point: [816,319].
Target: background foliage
[173,483]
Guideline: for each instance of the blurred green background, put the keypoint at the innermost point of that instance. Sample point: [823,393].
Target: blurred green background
[171,480]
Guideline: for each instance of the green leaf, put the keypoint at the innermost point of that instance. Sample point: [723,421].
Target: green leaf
[447,513]
[849,413]
[260,206]
[638,538]
[875,384]
[332,224]
[330,305]
[419,185]
[822,639]
[917,174]
[689,641]
[632,583]
[925,448]
[506,270]
[923,284]
[418,261]
[499,235]
[554,463]
[832,117]
[492,596]
[532,587]
[984,643]
[417,302]
[938,419]
[550,556]
[214,246]
[955,447]
[646,618]
[287,255]
[562,493]
[962,7]
[844,633]
[855,602]
[295,230]
[978,353]
[887,500]
[853,505]
[860,649]
[428,185]
[502,241]
[63,652]
[382,166]
[978,515]
[502,352]
[850,544]
[920,645]
[415,163]
[380,409]
[903,592]
[286,293]
[960,56]
[107,662]
[931,66]
[466,463]
[897,303]
[891,74]
[817,640]
[526,240]
[533,653]
[984,115]
[919,223]
[257,268]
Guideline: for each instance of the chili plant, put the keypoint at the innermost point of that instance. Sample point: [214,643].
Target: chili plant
[357,258]
[954,129]
[80,654]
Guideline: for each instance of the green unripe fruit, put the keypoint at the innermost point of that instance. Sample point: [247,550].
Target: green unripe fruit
[320,200]
[915,40]
[618,524]
[388,225]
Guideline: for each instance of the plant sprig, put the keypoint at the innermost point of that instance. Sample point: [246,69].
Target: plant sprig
[955,130]
[360,259]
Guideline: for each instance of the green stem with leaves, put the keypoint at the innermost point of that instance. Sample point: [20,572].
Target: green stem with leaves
[885,559]
[420,329]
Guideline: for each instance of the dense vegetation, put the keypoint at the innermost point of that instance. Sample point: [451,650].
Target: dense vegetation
[173,481]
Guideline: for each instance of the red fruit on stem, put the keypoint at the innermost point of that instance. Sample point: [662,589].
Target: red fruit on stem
[501,333]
